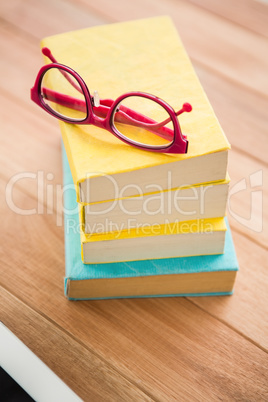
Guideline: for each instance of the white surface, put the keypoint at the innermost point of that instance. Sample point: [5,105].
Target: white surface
[30,372]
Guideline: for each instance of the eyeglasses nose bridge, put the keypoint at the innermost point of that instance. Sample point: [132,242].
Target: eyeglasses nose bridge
[95,99]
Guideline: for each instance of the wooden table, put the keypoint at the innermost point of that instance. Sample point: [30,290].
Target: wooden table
[210,348]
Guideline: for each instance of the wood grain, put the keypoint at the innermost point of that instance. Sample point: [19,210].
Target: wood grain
[100,381]
[242,114]
[39,177]
[248,213]
[247,310]
[251,14]
[39,19]
[153,349]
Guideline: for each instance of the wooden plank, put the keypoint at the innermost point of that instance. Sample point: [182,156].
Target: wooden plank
[22,64]
[248,196]
[32,158]
[242,113]
[251,14]
[40,18]
[168,345]
[247,309]
[88,375]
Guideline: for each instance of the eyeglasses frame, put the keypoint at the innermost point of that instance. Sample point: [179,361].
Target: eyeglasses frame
[178,145]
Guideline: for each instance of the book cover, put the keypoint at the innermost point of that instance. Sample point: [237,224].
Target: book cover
[144,55]
[185,276]
[177,239]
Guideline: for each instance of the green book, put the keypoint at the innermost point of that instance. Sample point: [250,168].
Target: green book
[185,276]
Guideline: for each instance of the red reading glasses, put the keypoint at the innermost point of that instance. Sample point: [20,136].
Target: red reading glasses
[137,118]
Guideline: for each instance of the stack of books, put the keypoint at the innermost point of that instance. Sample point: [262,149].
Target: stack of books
[143,223]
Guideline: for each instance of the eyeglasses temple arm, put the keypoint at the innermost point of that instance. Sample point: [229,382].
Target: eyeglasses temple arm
[186,107]
[123,118]
[64,100]
[129,116]
[149,123]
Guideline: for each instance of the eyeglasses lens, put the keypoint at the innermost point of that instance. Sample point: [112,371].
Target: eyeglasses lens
[62,94]
[144,122]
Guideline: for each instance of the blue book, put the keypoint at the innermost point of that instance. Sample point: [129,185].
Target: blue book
[185,276]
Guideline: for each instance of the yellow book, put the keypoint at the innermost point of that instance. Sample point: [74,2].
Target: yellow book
[145,55]
[158,241]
